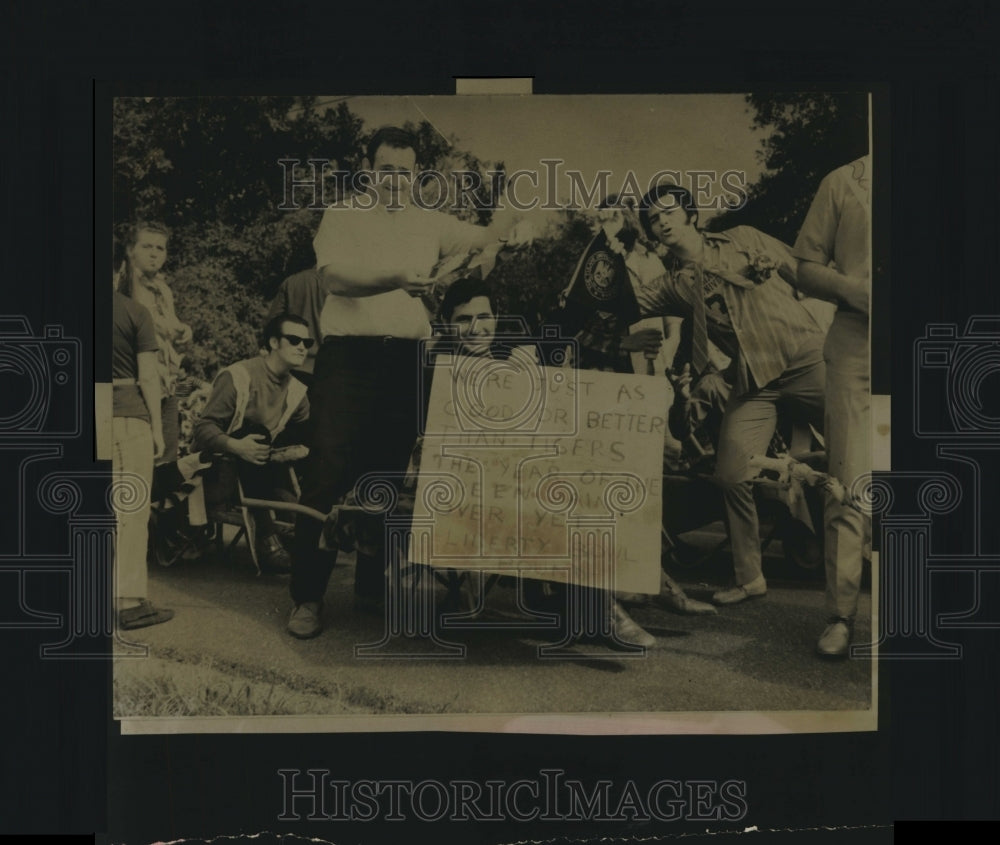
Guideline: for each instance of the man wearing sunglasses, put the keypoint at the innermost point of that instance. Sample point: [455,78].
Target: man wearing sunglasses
[252,403]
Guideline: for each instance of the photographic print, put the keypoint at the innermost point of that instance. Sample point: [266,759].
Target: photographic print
[532,413]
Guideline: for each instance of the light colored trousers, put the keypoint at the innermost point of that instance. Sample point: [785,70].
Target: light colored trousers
[132,464]
[848,446]
[747,428]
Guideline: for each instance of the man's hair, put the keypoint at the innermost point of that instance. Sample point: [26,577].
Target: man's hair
[682,197]
[461,291]
[146,226]
[132,233]
[390,136]
[614,201]
[273,328]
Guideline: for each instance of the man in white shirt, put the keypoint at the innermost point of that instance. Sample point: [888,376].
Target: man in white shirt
[375,255]
[835,263]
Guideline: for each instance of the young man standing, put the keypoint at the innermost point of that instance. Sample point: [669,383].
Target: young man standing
[137,439]
[251,404]
[835,264]
[141,279]
[375,253]
[736,286]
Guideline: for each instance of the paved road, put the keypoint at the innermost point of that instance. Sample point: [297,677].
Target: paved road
[751,657]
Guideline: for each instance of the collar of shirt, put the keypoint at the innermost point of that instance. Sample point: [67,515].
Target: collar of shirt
[715,262]
[152,284]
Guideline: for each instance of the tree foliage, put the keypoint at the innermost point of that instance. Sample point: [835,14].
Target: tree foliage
[528,282]
[808,135]
[209,168]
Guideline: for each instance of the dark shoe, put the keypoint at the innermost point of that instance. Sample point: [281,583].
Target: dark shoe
[627,630]
[734,595]
[142,616]
[274,558]
[305,621]
[836,638]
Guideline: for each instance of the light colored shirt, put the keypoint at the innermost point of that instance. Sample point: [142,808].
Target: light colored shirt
[837,231]
[408,241]
[836,227]
[155,295]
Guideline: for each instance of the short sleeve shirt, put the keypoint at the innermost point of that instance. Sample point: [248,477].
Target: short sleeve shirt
[836,228]
[132,332]
[407,241]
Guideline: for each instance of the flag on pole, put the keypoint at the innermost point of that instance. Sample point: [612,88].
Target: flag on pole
[597,306]
[600,282]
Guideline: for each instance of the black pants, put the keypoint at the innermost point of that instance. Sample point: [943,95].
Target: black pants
[364,408]
[260,481]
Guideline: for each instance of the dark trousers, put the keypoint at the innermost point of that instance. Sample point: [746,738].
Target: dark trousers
[170,426]
[364,407]
[260,481]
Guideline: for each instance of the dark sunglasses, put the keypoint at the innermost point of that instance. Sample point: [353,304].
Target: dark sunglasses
[295,340]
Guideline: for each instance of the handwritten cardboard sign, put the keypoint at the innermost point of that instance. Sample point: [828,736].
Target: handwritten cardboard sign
[519,462]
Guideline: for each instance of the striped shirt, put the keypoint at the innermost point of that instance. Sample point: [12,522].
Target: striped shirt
[769,322]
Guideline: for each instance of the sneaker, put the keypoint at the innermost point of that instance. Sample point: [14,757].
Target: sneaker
[142,616]
[274,558]
[734,595]
[836,638]
[305,622]
[627,630]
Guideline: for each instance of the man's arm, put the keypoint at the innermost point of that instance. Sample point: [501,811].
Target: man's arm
[149,384]
[825,282]
[459,236]
[814,249]
[656,298]
[359,278]
[297,429]
[346,267]
[210,430]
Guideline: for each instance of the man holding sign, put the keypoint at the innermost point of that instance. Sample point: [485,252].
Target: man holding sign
[471,322]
